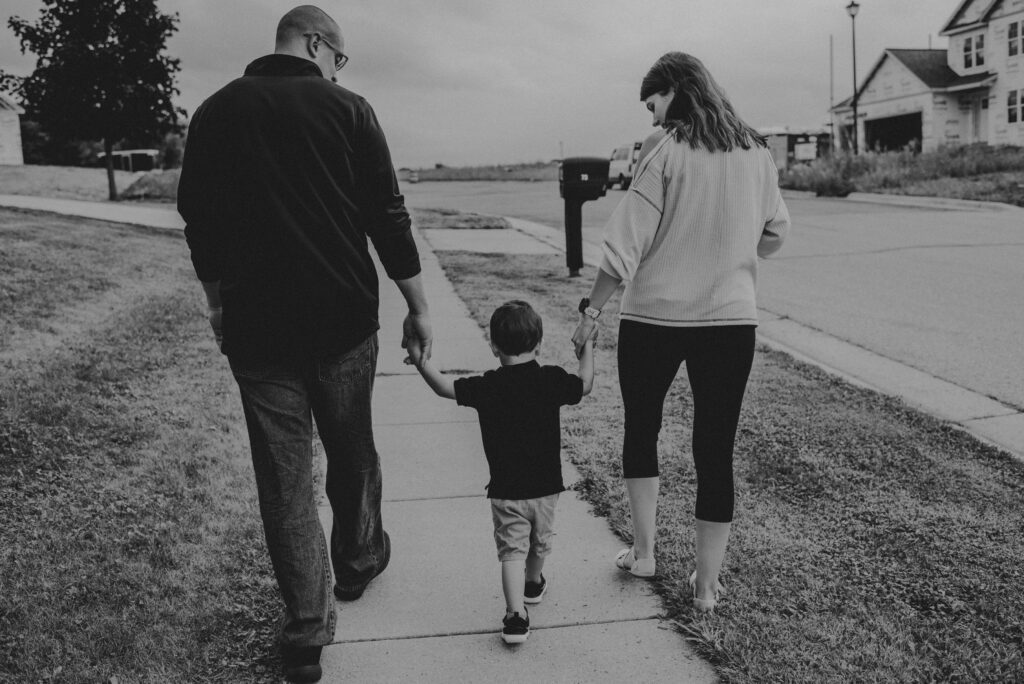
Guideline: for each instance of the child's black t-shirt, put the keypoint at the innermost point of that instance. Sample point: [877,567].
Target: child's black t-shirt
[519,421]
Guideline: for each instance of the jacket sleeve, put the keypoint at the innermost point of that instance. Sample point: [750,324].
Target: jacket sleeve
[631,228]
[198,201]
[388,224]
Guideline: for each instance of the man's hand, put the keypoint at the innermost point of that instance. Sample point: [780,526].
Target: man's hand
[417,336]
[215,316]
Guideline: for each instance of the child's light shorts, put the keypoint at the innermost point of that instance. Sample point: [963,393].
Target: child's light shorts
[523,524]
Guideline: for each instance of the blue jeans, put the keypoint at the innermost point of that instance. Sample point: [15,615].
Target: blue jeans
[280,403]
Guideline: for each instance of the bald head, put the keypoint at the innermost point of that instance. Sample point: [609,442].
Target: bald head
[305,19]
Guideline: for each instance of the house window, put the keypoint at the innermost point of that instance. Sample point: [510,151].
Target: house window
[1012,37]
[1011,107]
[974,51]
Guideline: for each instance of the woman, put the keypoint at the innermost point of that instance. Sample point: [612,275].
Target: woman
[703,206]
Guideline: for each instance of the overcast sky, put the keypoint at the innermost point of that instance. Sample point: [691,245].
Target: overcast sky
[500,81]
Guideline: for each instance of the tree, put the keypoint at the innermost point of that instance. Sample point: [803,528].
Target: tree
[101,73]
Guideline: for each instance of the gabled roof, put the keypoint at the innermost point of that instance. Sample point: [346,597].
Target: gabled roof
[958,23]
[9,105]
[929,66]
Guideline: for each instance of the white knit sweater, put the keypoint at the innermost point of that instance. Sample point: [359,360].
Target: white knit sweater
[687,235]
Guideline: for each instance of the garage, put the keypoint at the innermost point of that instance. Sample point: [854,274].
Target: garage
[893,132]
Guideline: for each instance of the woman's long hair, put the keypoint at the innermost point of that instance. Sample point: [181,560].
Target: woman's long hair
[699,113]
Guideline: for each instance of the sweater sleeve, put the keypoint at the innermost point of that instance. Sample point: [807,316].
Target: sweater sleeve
[631,229]
[388,226]
[777,221]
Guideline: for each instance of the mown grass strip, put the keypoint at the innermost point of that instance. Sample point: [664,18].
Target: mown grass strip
[872,543]
[130,543]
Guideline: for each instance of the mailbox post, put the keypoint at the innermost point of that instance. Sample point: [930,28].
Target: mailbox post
[580,179]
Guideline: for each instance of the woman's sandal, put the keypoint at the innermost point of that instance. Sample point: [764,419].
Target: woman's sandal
[638,567]
[705,605]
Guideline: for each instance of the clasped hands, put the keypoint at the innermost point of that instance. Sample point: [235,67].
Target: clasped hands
[585,332]
[417,338]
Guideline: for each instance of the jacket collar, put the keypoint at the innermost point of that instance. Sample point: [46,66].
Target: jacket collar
[282,65]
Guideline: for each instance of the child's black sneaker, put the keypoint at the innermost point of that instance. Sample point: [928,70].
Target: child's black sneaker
[516,629]
[533,592]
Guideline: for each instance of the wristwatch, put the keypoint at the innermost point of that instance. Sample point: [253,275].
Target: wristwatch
[588,310]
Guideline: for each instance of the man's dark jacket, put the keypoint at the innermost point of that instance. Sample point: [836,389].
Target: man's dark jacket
[285,176]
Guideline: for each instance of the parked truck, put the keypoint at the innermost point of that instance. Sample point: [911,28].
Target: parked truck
[621,165]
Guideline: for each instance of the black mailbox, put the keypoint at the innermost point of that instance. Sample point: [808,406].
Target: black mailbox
[583,178]
[580,179]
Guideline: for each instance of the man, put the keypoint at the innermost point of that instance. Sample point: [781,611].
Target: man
[285,176]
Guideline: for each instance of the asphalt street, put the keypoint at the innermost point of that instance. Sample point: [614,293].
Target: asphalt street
[936,289]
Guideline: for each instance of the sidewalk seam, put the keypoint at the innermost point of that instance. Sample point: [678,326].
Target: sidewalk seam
[442,635]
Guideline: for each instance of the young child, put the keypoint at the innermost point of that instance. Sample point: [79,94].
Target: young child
[518,406]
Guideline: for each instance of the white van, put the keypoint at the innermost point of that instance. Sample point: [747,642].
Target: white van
[620,168]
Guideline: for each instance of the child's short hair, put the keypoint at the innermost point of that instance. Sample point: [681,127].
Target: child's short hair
[516,328]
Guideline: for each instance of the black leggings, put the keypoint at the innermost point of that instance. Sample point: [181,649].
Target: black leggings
[718,360]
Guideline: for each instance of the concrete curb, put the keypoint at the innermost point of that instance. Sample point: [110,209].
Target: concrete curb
[916,201]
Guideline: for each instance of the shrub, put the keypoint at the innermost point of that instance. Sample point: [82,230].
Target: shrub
[838,175]
[154,185]
[826,177]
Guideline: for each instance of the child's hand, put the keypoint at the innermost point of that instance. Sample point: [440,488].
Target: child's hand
[415,350]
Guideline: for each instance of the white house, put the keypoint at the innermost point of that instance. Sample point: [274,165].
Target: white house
[10,131]
[970,92]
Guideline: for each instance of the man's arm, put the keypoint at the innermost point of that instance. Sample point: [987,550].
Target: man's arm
[416,326]
[215,311]
[198,203]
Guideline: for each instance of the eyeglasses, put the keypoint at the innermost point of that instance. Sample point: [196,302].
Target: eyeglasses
[340,58]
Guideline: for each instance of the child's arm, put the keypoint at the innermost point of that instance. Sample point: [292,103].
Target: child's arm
[586,371]
[442,385]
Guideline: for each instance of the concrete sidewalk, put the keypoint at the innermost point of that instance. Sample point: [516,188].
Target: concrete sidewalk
[435,614]
[121,212]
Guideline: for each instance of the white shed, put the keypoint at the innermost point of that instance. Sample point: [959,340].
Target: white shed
[10,131]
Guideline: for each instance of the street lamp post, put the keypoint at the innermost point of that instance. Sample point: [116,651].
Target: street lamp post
[851,9]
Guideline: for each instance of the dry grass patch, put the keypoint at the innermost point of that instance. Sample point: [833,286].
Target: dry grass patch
[425,219]
[872,543]
[66,182]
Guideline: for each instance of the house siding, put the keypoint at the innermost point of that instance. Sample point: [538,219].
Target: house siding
[10,138]
[1010,70]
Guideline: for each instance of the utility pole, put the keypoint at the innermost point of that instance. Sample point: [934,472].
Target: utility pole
[831,100]
[851,9]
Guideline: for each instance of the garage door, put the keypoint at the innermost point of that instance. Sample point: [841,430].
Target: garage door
[893,132]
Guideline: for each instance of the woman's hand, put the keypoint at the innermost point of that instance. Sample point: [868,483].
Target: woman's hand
[586,330]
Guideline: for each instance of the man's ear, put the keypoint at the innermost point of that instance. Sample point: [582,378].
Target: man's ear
[494,349]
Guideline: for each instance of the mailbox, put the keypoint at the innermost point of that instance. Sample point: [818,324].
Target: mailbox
[580,179]
[583,178]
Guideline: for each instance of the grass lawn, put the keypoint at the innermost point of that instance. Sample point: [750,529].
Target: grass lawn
[871,543]
[130,543]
